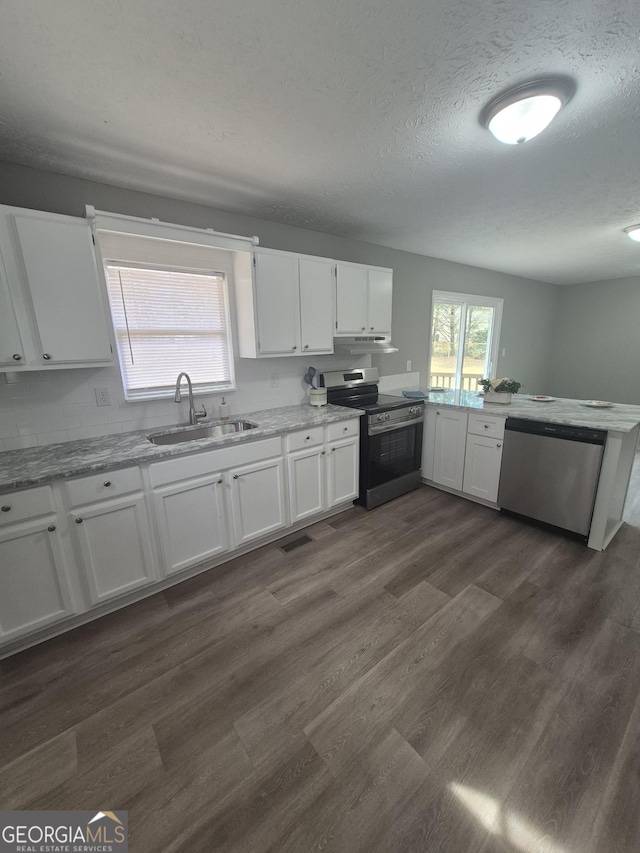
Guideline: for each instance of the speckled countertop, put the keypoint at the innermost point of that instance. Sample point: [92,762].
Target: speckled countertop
[37,465]
[619,418]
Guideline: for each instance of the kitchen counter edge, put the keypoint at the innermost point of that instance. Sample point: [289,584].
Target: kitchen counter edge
[37,466]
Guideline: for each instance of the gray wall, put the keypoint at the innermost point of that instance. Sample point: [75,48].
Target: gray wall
[597,345]
[529,306]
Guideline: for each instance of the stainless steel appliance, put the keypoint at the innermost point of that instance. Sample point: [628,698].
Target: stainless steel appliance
[550,473]
[390,434]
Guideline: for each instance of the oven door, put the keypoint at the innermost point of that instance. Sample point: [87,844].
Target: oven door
[392,451]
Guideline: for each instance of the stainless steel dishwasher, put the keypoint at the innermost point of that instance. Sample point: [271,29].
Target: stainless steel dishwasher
[550,472]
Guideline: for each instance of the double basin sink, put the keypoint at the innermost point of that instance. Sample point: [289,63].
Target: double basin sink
[193,433]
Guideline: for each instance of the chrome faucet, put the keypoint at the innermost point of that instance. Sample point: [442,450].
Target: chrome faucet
[194,416]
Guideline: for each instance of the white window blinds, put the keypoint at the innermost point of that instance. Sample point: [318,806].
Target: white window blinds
[167,317]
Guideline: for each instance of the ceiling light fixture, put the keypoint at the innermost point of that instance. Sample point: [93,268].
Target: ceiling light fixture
[522,112]
[633,231]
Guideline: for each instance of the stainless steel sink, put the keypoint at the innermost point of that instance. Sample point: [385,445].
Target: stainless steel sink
[205,431]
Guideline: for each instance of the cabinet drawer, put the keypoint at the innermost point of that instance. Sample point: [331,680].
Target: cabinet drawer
[210,461]
[343,429]
[16,506]
[108,484]
[483,425]
[304,438]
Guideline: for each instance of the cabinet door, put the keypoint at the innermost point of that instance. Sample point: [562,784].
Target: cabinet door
[62,275]
[11,347]
[448,460]
[351,299]
[257,493]
[34,590]
[482,467]
[342,471]
[316,305]
[277,304]
[192,522]
[380,294]
[115,546]
[306,483]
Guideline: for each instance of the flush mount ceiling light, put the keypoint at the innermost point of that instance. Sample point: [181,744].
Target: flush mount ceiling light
[633,231]
[521,113]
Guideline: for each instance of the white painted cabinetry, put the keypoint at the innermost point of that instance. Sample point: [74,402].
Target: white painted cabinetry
[463,451]
[257,495]
[363,299]
[323,473]
[34,585]
[449,449]
[52,313]
[483,457]
[193,521]
[287,309]
[112,536]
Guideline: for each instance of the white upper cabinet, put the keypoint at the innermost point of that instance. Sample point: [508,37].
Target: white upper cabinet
[363,299]
[287,308]
[51,284]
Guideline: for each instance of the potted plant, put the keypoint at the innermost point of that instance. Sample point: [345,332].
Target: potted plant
[499,390]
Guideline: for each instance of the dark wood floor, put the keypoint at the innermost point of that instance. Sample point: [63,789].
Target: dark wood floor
[430,676]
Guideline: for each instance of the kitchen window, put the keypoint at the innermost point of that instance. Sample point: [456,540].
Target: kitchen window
[170,308]
[465,334]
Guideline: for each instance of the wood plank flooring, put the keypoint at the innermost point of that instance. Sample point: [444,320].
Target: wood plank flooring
[429,676]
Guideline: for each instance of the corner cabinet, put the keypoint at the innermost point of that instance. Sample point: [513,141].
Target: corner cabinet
[462,452]
[52,312]
[286,307]
[363,299]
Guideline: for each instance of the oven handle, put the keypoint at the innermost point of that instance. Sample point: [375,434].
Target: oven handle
[376,429]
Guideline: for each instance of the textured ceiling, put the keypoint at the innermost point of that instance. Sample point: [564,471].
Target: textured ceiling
[354,117]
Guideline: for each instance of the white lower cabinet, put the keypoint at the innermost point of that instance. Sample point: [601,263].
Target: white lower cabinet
[482,462]
[306,483]
[450,443]
[257,498]
[192,522]
[322,468]
[342,471]
[34,590]
[115,547]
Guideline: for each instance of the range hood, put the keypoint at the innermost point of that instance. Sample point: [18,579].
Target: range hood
[365,344]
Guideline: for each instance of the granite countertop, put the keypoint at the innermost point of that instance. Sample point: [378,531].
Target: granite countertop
[37,465]
[619,418]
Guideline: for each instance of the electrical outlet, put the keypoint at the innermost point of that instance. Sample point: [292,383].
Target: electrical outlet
[274,380]
[409,366]
[103,398]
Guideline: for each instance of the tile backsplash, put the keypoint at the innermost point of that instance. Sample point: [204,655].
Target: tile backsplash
[44,407]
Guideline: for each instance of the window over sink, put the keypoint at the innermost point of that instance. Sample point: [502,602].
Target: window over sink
[169,303]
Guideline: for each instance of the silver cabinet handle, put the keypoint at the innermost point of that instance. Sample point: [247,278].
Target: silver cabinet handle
[333,450]
[437,413]
[498,445]
[371,328]
[363,329]
[306,346]
[17,356]
[323,452]
[78,520]
[486,426]
[6,508]
[345,429]
[51,528]
[46,356]
[219,481]
[294,347]
[308,438]
[107,483]
[235,476]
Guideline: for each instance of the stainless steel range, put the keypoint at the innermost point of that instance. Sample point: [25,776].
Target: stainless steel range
[390,434]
